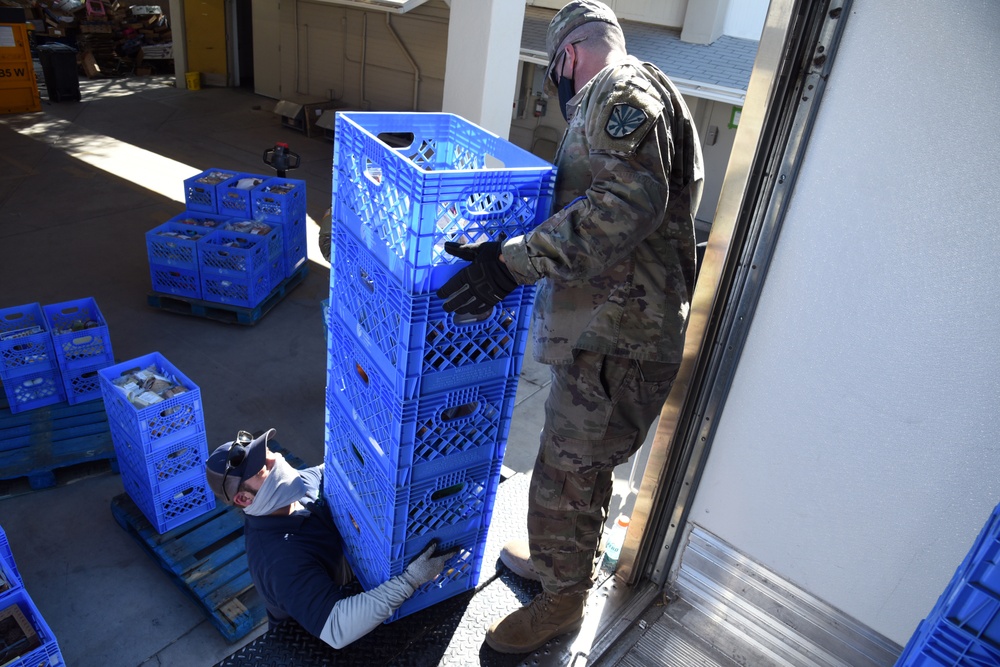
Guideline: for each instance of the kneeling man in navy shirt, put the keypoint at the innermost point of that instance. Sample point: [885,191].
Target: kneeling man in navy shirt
[295,553]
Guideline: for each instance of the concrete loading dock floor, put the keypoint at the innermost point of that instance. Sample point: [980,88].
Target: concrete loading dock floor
[81,184]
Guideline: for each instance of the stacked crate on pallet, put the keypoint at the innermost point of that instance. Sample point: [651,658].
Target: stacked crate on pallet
[963,628]
[282,202]
[28,365]
[419,400]
[240,238]
[172,249]
[158,431]
[27,639]
[82,346]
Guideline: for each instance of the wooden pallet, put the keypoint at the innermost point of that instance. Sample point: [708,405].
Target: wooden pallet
[36,443]
[205,558]
[222,312]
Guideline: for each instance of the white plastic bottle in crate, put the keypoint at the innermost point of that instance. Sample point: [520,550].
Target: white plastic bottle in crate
[616,539]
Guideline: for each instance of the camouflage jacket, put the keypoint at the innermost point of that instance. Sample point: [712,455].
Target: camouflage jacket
[616,265]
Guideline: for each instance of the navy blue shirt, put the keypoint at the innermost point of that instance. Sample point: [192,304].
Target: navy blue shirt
[293,561]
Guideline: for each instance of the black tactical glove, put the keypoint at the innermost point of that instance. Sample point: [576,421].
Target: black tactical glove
[482,284]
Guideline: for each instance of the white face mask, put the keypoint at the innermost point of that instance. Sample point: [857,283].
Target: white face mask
[281,488]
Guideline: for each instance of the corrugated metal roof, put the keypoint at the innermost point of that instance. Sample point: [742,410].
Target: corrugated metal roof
[725,64]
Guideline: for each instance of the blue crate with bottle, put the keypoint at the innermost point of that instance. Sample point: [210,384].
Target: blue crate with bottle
[238,268]
[406,183]
[80,334]
[411,432]
[375,560]
[410,336]
[396,499]
[151,403]
[200,192]
[175,243]
[25,341]
[167,466]
[234,196]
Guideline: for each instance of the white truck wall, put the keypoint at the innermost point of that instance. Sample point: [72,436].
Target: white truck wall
[857,453]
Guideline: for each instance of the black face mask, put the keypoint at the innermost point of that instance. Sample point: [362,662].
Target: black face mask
[566,92]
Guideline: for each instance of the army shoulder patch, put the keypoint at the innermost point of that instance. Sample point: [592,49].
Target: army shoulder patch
[624,120]
[627,111]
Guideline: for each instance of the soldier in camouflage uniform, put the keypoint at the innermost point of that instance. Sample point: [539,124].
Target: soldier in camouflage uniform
[616,269]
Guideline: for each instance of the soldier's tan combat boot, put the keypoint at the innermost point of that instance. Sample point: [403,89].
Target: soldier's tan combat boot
[517,557]
[530,627]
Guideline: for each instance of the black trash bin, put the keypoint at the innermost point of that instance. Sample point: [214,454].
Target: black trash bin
[59,68]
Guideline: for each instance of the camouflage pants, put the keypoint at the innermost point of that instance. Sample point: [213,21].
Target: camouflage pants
[597,415]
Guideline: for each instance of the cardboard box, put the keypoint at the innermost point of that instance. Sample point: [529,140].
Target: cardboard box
[17,637]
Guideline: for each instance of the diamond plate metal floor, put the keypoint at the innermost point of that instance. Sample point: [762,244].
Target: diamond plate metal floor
[449,633]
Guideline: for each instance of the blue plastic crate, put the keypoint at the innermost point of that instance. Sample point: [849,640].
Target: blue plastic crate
[7,562]
[454,501]
[200,190]
[230,253]
[349,357]
[453,181]
[158,425]
[47,654]
[175,280]
[466,423]
[274,236]
[279,200]
[943,645]
[461,574]
[388,495]
[83,384]
[200,219]
[246,291]
[174,504]
[80,334]
[985,550]
[977,612]
[411,336]
[296,244]
[375,560]
[170,465]
[25,341]
[234,200]
[34,389]
[176,251]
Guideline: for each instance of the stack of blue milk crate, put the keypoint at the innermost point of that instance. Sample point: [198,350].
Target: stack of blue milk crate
[419,400]
[27,640]
[82,346]
[158,431]
[205,253]
[28,365]
[963,629]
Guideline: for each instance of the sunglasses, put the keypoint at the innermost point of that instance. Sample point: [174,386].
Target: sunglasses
[556,72]
[237,454]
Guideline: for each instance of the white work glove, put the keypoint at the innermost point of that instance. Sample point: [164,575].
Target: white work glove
[427,565]
[354,617]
